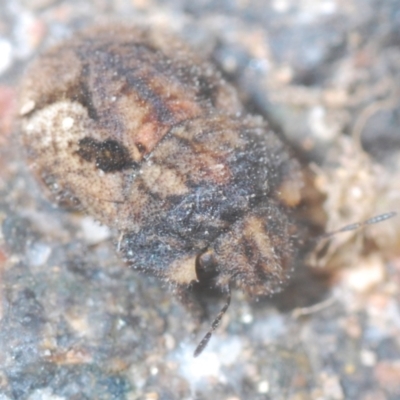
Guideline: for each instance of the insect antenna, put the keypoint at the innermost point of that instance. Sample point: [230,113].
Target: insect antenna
[358,225]
[322,243]
[203,344]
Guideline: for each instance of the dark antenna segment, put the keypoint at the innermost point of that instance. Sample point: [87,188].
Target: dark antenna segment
[202,345]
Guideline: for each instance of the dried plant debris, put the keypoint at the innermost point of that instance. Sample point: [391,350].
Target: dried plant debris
[355,188]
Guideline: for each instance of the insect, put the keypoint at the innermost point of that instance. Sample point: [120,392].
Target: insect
[129,125]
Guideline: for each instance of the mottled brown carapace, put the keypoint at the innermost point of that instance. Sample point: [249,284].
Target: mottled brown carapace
[128,124]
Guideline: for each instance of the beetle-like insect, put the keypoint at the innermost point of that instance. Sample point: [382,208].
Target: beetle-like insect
[132,127]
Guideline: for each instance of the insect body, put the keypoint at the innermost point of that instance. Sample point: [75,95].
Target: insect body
[130,126]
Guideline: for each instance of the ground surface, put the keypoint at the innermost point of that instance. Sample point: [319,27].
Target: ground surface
[76,323]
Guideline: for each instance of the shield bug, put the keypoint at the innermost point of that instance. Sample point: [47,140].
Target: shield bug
[129,125]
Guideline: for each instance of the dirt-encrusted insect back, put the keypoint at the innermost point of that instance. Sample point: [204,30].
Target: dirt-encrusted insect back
[132,127]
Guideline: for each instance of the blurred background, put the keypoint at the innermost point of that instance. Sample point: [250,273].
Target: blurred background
[76,323]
